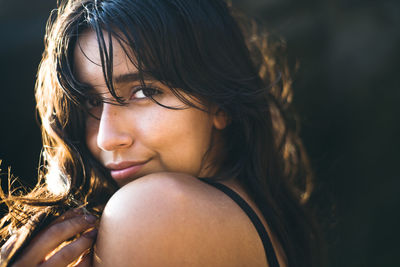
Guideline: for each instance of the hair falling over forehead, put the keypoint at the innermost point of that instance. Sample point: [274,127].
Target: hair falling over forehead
[207,54]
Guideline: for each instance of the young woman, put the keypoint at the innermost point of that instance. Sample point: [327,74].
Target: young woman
[162,105]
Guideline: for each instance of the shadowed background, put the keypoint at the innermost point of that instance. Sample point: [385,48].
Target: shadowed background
[346,91]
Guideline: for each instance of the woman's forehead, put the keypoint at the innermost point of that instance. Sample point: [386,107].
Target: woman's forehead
[88,59]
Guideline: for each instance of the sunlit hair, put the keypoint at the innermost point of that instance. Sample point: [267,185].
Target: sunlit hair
[198,49]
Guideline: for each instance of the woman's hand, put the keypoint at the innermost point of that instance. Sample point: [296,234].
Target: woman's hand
[51,247]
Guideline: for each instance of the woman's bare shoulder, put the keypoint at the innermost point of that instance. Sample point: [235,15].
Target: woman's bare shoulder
[170,219]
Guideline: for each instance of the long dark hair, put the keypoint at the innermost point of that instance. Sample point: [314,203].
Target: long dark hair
[199,48]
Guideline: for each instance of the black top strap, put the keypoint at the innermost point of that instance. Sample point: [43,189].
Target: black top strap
[269,250]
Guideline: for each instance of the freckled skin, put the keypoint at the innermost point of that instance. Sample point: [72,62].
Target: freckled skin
[170,140]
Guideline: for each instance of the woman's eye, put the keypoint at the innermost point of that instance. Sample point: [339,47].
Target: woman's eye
[145,92]
[93,102]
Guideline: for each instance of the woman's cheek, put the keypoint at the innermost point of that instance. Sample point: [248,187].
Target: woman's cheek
[157,128]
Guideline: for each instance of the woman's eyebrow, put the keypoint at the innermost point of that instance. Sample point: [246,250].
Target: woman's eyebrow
[132,77]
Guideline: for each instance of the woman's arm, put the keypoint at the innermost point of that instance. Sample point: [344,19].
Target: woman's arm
[175,220]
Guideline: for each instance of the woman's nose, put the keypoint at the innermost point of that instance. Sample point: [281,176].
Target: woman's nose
[113,132]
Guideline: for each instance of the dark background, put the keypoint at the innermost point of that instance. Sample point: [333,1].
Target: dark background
[346,90]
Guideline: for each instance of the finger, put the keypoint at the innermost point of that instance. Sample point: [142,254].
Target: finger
[68,215]
[65,216]
[86,261]
[55,235]
[72,251]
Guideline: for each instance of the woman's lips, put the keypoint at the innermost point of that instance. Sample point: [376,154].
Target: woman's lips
[125,170]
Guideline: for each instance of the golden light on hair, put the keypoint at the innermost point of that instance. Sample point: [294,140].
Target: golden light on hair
[56,181]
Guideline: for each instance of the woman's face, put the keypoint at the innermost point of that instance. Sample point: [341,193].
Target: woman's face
[141,137]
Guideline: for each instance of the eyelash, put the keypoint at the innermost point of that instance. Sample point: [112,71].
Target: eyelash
[147,92]
[93,102]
